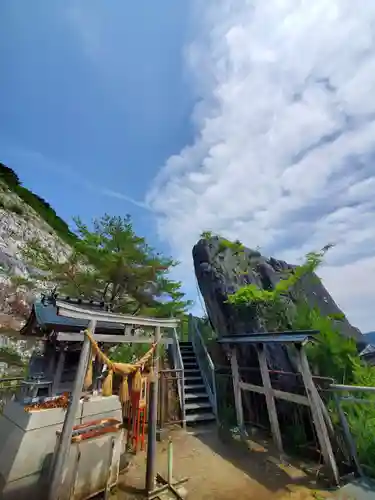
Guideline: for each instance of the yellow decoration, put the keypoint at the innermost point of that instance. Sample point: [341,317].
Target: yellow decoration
[122,369]
[137,381]
[88,378]
[124,390]
[107,384]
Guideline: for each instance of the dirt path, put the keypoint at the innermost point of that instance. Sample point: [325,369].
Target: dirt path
[221,471]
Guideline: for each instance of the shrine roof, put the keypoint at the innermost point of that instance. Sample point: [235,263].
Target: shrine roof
[288,337]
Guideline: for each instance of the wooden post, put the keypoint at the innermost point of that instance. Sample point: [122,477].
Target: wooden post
[152,418]
[59,369]
[320,426]
[348,436]
[270,400]
[51,353]
[62,451]
[237,390]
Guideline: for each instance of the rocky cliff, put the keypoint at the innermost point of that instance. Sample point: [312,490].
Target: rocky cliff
[19,224]
[220,271]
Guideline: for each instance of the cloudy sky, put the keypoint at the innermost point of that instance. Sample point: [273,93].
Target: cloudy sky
[253,119]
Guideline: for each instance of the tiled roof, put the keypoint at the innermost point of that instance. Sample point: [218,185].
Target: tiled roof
[44,317]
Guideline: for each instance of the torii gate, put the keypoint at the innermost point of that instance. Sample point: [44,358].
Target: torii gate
[94,317]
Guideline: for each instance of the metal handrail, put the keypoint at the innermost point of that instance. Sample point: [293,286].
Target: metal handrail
[339,397]
[211,388]
[179,365]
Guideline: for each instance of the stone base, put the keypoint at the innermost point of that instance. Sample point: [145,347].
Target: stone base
[161,435]
[28,442]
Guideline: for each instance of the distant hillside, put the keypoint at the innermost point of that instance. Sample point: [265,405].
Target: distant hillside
[41,206]
[370,337]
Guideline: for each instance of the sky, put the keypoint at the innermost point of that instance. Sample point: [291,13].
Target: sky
[252,119]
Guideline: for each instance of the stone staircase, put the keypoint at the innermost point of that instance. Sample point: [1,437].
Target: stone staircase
[198,407]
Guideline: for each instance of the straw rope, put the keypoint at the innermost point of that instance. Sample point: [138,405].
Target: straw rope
[122,369]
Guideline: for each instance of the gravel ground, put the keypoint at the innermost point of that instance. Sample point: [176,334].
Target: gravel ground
[221,471]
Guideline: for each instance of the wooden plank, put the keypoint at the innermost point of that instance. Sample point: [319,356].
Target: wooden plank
[348,436]
[270,400]
[293,398]
[111,339]
[237,390]
[287,396]
[251,387]
[74,311]
[320,426]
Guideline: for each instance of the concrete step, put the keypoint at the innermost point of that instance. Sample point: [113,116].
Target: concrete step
[200,417]
[197,406]
[193,379]
[195,387]
[192,371]
[193,396]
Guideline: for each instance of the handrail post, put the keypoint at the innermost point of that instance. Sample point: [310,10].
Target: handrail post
[190,318]
[214,392]
[196,337]
[179,365]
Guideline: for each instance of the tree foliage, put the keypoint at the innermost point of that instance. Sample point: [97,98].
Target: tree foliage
[41,206]
[109,262]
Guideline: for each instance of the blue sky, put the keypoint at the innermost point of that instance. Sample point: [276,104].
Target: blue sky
[252,119]
[93,92]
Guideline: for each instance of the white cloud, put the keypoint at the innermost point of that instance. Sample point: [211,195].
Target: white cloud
[284,150]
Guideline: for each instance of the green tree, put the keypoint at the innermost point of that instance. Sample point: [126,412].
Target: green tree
[110,262]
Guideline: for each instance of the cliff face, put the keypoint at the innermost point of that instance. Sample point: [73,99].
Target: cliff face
[220,272]
[19,224]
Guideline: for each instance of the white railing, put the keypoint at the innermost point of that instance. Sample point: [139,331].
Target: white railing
[180,376]
[205,362]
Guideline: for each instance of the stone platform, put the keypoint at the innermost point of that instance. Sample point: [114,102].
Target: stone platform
[28,441]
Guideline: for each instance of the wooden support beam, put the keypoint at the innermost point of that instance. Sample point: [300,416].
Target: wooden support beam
[112,339]
[319,423]
[152,418]
[75,311]
[62,451]
[59,370]
[237,389]
[348,436]
[286,396]
[270,400]
[251,387]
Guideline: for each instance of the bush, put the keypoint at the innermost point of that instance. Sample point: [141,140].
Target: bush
[15,208]
[42,207]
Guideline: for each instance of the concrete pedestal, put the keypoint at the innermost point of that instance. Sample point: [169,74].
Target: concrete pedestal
[28,441]
[92,464]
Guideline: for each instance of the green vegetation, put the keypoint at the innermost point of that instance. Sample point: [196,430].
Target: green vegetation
[332,356]
[10,356]
[111,263]
[43,208]
[206,235]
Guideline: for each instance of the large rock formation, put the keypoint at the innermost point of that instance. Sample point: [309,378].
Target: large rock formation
[221,270]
